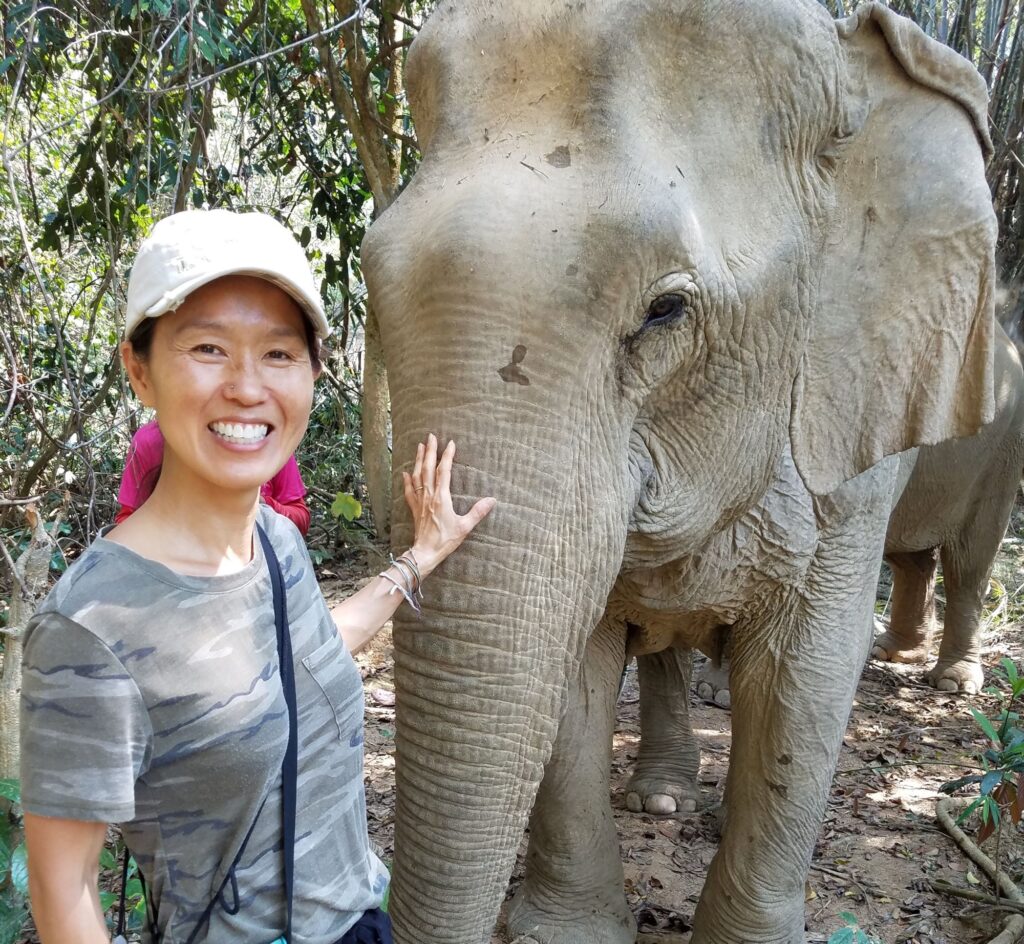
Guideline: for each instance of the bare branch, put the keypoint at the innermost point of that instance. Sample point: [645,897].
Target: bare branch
[14,375]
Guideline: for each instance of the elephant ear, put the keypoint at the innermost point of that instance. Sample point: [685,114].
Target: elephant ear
[899,348]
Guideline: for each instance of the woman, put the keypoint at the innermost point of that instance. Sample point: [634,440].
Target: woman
[156,680]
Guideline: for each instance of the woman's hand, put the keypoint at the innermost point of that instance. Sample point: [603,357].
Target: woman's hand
[438,530]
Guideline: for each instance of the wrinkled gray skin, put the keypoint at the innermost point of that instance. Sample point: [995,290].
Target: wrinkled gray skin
[680,278]
[956,506]
[956,509]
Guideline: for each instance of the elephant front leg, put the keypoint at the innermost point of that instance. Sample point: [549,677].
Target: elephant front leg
[794,674]
[789,713]
[665,777]
[573,889]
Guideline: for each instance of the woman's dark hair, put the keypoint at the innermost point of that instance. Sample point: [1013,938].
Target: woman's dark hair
[141,341]
[141,338]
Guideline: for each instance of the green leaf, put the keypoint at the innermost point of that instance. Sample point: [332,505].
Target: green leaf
[19,869]
[107,859]
[990,810]
[1010,669]
[847,917]
[207,48]
[842,936]
[10,789]
[962,818]
[952,786]
[990,781]
[985,725]
[346,506]
[107,900]
[12,918]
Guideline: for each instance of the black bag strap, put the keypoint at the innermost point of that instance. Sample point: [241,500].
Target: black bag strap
[290,767]
[289,777]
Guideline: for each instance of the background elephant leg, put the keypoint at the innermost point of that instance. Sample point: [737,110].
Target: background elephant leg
[912,627]
[965,570]
[713,681]
[573,889]
[665,777]
[966,566]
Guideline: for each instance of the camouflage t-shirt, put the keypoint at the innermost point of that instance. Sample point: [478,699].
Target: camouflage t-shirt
[153,700]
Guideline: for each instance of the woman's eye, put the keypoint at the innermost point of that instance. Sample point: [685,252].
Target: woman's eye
[281,355]
[206,349]
[664,309]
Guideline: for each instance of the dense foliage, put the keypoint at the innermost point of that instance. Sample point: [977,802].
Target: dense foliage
[116,113]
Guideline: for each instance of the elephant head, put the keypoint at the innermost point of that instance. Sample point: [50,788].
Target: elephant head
[651,250]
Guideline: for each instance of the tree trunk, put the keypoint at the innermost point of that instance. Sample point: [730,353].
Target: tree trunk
[358,106]
[376,411]
[29,579]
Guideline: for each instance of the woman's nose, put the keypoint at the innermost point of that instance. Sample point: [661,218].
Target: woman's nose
[245,385]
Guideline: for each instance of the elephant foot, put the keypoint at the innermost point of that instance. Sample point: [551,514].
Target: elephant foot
[724,917]
[533,919]
[713,685]
[888,647]
[659,793]
[965,676]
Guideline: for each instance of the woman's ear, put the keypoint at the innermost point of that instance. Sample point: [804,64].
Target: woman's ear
[137,370]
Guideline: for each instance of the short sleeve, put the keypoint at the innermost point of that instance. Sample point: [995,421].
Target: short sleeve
[287,486]
[85,731]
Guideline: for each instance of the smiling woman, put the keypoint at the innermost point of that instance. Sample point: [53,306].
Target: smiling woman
[185,678]
[230,375]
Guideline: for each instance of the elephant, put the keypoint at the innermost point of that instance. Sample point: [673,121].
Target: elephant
[681,279]
[956,505]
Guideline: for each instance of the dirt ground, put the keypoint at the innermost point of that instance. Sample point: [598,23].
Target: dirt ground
[879,847]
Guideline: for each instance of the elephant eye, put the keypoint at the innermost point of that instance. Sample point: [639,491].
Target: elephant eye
[665,309]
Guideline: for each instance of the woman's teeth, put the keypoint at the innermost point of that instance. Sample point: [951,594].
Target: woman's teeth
[240,432]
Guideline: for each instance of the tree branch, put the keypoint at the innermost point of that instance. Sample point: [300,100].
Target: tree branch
[370,151]
[198,147]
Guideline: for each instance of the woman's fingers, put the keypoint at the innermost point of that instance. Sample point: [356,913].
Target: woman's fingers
[437,528]
[410,492]
[477,513]
[444,470]
[417,468]
[430,464]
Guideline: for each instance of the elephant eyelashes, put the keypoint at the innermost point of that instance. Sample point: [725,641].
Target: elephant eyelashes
[665,309]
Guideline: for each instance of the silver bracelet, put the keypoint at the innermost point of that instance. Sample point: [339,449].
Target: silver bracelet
[395,585]
[409,560]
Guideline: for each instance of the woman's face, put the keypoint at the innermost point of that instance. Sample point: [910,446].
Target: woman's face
[230,377]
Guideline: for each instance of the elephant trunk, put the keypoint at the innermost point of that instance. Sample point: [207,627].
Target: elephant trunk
[481,677]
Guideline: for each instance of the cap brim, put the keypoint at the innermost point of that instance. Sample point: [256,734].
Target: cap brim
[310,307]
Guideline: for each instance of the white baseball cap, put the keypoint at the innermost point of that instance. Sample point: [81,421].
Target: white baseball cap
[186,250]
